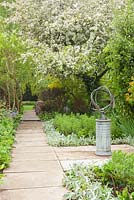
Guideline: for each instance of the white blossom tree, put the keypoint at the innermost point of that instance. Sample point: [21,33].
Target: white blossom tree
[65,37]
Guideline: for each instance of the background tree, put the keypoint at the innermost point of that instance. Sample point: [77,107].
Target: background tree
[15,73]
[120,58]
[66,37]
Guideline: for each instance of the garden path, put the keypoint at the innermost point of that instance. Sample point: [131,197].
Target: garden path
[35,172]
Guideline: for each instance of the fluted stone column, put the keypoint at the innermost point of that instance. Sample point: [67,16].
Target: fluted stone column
[103,137]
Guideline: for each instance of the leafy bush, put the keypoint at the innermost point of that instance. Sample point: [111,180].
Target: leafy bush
[118,173]
[57,139]
[116,131]
[122,127]
[81,125]
[53,100]
[47,116]
[127,127]
[120,58]
[114,180]
[82,185]
[7,132]
[39,108]
[125,140]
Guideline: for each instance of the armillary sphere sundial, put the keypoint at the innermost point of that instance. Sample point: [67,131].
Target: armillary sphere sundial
[102,100]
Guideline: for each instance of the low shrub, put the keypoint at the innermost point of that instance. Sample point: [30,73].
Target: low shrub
[47,116]
[55,138]
[118,173]
[114,180]
[39,107]
[54,100]
[127,127]
[82,185]
[116,131]
[8,124]
[81,125]
[121,127]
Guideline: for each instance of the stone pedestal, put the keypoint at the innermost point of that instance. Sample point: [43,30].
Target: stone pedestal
[103,137]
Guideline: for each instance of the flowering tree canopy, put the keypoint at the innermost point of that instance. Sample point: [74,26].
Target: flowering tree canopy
[66,37]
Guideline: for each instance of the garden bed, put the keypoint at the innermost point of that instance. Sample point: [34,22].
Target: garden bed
[71,130]
[114,180]
[8,126]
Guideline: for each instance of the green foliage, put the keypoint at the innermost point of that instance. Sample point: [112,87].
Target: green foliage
[127,127]
[116,131]
[125,195]
[113,180]
[82,185]
[81,125]
[57,139]
[6,139]
[76,95]
[66,37]
[15,72]
[7,132]
[118,173]
[122,127]
[47,116]
[120,57]
[125,140]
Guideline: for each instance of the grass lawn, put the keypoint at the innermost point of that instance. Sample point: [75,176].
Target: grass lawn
[28,107]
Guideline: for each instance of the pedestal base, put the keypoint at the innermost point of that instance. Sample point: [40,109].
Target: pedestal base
[103,139]
[99,153]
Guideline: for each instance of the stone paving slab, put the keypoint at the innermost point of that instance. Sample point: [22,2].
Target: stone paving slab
[92,148]
[29,136]
[69,156]
[32,139]
[30,116]
[32,180]
[50,193]
[87,152]
[77,155]
[31,144]
[124,147]
[33,149]
[29,132]
[32,129]
[30,125]
[34,166]
[33,156]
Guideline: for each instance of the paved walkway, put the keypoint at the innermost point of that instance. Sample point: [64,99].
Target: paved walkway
[36,170]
